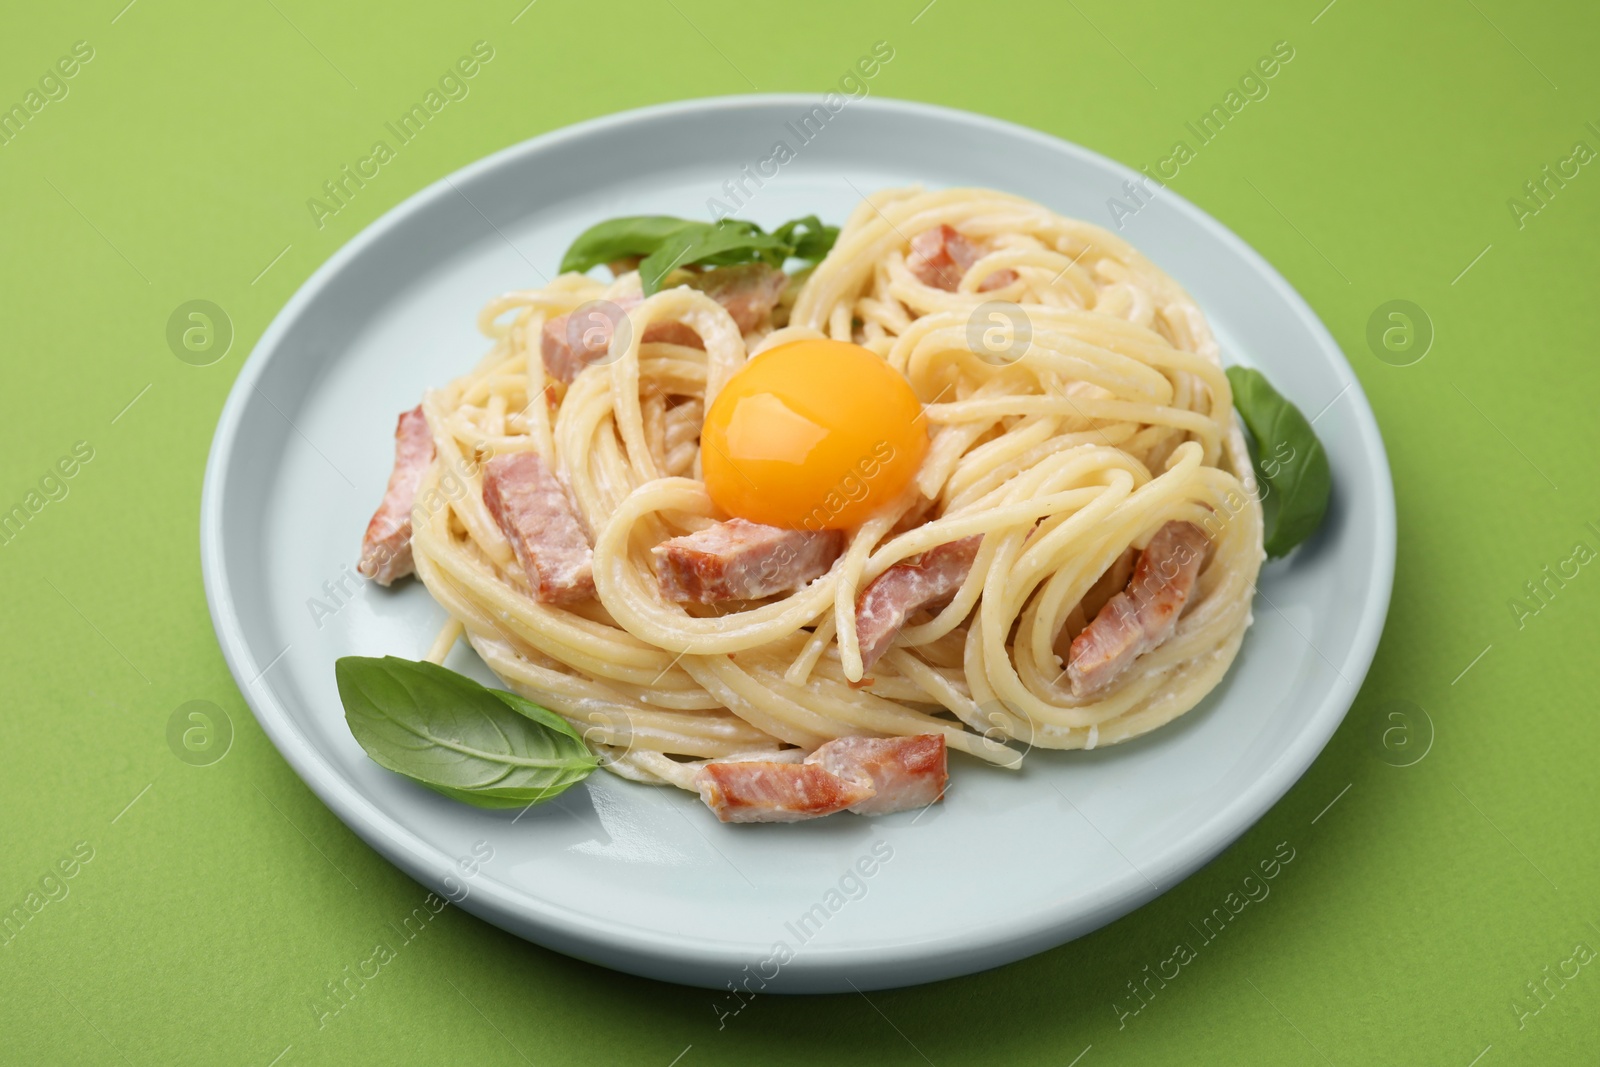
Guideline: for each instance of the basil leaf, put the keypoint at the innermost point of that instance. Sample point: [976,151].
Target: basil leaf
[666,243]
[814,244]
[632,235]
[483,746]
[1288,459]
[717,245]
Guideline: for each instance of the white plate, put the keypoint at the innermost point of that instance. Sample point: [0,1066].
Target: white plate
[643,879]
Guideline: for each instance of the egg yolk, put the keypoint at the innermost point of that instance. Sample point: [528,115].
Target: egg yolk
[812,435]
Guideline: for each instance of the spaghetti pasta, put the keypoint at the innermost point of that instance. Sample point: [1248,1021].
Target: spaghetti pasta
[1074,402]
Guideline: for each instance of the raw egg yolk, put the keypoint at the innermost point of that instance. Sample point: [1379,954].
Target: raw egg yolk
[812,435]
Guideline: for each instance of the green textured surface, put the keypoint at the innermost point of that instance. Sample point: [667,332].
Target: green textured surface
[219,899]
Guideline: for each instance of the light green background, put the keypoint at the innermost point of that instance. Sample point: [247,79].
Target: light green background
[215,906]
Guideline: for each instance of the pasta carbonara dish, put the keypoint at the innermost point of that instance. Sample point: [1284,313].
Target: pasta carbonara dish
[966,476]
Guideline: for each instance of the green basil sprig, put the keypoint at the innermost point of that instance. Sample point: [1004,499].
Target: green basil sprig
[667,243]
[484,746]
[1288,459]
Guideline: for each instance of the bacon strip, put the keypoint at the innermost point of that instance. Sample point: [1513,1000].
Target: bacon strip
[1142,616]
[941,256]
[532,510]
[866,775]
[905,772]
[568,346]
[740,560]
[776,792]
[906,588]
[1108,585]
[748,292]
[386,546]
